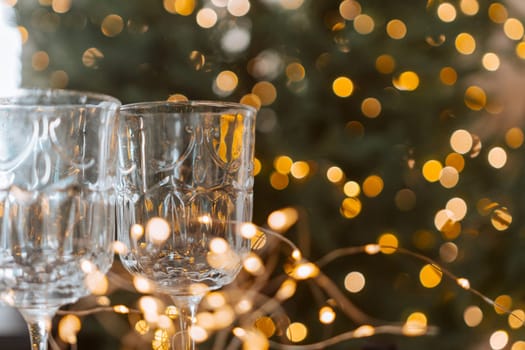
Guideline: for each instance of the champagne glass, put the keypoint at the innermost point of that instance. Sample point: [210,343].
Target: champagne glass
[57,214]
[185,181]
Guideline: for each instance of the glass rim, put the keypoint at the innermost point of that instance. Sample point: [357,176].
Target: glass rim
[189,103]
[91,97]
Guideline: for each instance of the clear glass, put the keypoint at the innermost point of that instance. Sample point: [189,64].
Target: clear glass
[57,201]
[185,183]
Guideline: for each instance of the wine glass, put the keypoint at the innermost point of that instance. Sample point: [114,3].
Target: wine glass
[185,188]
[57,202]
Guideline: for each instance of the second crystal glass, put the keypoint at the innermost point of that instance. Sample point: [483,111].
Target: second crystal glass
[185,189]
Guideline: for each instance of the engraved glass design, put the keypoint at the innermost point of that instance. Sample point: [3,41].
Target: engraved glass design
[185,178]
[57,214]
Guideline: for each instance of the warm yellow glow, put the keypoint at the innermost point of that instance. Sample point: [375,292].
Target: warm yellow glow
[142,327]
[291,4]
[178,97]
[388,243]
[463,283]
[24,33]
[226,81]
[343,86]
[305,271]
[161,339]
[364,24]
[354,282]
[456,161]
[295,72]
[219,245]
[364,331]
[514,138]
[513,29]
[351,207]
[283,164]
[446,12]
[449,177]
[469,7]
[501,219]
[296,332]
[279,181]
[238,8]
[448,76]
[490,61]
[243,306]
[121,309]
[91,56]
[432,170]
[371,107]
[136,231]
[498,12]
[430,276]
[282,219]
[497,157]
[198,334]
[465,44]
[286,290]
[266,326]
[351,189]
[266,91]
[519,345]
[252,339]
[461,141]
[415,325]
[335,174]
[516,319]
[406,81]
[96,282]
[253,264]
[184,7]
[349,9]
[248,230]
[502,304]
[119,247]
[385,64]
[149,304]
[396,29]
[142,285]
[520,50]
[300,169]
[215,300]
[475,98]
[112,25]
[68,328]
[326,315]
[251,100]
[157,230]
[457,207]
[206,17]
[372,249]
[472,316]
[373,186]
[499,340]
[61,6]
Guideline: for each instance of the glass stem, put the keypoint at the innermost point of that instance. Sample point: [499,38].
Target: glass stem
[187,307]
[39,325]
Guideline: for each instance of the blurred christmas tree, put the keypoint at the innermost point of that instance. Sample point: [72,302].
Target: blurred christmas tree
[392,121]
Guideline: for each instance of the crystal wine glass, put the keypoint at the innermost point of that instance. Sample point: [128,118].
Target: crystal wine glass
[185,178]
[57,214]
